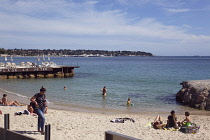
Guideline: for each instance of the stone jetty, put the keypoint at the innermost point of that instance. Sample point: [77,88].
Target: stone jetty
[195,94]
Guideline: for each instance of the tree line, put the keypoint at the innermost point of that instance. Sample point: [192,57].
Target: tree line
[68,52]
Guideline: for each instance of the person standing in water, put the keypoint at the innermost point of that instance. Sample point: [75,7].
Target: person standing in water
[104,91]
[39,102]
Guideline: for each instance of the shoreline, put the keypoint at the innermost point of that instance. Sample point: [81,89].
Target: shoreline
[77,124]
[69,107]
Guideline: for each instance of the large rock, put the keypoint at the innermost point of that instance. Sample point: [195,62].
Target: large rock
[195,94]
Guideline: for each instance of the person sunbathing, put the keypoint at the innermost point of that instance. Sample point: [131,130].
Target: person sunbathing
[158,123]
[5,102]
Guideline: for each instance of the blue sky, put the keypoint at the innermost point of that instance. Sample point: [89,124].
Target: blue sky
[162,27]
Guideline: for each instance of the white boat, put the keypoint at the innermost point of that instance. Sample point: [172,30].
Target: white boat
[5,58]
[43,57]
[11,58]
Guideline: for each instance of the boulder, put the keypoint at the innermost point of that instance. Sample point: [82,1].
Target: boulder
[199,99]
[187,97]
[195,94]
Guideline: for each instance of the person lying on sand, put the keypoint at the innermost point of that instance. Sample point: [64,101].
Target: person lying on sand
[158,123]
[5,101]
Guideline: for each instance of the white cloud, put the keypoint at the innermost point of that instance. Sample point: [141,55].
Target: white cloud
[62,24]
[178,10]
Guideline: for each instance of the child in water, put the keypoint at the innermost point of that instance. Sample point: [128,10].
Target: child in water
[129,101]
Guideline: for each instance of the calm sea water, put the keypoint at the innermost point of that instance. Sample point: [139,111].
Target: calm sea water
[150,82]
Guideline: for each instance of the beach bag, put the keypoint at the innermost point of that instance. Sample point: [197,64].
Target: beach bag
[191,128]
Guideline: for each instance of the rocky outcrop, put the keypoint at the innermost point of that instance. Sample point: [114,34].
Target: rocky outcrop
[195,94]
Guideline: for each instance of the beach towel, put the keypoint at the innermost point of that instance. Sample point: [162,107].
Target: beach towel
[171,129]
[122,120]
[149,125]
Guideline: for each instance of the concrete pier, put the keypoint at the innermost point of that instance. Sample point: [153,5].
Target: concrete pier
[37,72]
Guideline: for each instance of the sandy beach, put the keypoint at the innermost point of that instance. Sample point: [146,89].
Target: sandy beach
[75,125]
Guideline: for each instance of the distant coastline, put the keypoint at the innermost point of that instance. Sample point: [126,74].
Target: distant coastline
[70,53]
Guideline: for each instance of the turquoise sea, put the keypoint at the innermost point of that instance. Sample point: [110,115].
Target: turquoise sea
[150,82]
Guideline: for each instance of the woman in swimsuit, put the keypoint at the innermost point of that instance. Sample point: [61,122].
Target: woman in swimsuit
[158,123]
[104,91]
[5,101]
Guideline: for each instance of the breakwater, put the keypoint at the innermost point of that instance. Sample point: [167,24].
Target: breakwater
[195,94]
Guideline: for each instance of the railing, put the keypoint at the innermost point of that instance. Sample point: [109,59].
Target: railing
[109,135]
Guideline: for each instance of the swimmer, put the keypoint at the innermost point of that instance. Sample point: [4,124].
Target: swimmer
[64,87]
[129,101]
[104,91]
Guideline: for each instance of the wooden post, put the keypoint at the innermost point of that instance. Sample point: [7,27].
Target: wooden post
[6,125]
[47,132]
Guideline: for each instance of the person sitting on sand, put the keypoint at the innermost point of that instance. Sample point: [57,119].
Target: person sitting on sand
[5,101]
[104,91]
[129,101]
[30,109]
[158,123]
[172,120]
[186,120]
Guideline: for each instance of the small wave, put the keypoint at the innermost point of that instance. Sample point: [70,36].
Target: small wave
[10,92]
[19,95]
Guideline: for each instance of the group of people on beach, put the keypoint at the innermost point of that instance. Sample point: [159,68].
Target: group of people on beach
[171,121]
[38,105]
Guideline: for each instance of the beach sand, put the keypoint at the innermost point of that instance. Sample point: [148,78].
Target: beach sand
[66,125]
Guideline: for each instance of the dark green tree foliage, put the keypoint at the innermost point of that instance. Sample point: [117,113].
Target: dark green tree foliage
[68,52]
